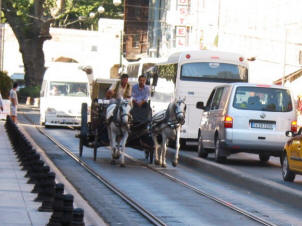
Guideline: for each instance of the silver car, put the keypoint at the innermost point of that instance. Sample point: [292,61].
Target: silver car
[243,117]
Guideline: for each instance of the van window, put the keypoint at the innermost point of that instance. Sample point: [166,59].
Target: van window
[263,99]
[217,99]
[75,89]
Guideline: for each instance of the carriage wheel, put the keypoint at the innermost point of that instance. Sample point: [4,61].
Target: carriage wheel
[84,127]
[95,144]
[81,147]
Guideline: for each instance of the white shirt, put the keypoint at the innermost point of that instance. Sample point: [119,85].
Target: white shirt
[13,95]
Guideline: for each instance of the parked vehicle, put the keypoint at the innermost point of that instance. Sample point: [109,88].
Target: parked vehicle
[194,74]
[241,117]
[291,159]
[64,88]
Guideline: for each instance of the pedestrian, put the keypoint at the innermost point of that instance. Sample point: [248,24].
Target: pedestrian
[1,103]
[13,102]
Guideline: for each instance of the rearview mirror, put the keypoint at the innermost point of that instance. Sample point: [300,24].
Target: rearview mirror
[200,105]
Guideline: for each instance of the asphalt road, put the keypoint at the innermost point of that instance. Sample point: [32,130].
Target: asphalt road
[172,202]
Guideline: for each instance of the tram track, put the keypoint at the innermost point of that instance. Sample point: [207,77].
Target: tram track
[145,213]
[138,207]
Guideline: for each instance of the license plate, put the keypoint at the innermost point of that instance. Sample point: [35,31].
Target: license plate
[262,125]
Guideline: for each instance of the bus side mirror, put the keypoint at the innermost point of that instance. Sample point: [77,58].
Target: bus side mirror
[155,78]
[200,105]
[148,78]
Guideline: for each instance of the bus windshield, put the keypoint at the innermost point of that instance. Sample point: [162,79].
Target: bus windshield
[214,71]
[74,89]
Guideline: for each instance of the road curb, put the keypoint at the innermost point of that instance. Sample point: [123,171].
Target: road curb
[245,180]
[91,216]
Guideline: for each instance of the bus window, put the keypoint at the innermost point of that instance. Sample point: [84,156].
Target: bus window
[213,71]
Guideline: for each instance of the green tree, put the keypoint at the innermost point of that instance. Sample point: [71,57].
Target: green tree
[31,20]
[5,84]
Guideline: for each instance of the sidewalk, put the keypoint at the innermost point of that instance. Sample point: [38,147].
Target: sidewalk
[16,200]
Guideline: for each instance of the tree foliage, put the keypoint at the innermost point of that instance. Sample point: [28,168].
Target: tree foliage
[31,20]
[5,84]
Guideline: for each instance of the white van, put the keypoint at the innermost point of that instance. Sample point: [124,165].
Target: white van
[242,117]
[65,87]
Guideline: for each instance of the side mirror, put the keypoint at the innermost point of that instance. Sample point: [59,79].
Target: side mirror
[200,105]
[155,78]
[289,133]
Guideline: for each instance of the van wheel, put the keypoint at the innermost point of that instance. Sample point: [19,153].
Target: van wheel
[264,157]
[200,150]
[218,150]
[287,174]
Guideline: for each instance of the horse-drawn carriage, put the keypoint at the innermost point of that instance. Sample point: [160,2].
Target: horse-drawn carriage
[94,132]
[119,125]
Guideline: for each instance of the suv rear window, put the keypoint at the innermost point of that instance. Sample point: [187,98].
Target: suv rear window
[263,99]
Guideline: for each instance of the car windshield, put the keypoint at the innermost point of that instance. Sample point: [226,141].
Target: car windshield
[263,99]
[74,89]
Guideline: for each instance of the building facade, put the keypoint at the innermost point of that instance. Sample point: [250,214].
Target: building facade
[135,42]
[268,30]
[181,24]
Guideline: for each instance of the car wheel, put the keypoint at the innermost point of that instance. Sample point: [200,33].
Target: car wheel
[218,150]
[287,174]
[264,157]
[200,150]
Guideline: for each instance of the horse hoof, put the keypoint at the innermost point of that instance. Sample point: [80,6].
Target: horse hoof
[157,162]
[174,163]
[146,154]
[112,162]
[164,165]
[123,165]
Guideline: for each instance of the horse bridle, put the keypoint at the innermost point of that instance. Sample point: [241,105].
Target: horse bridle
[124,114]
[180,112]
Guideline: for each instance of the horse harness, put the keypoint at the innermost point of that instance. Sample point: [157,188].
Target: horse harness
[163,117]
[115,118]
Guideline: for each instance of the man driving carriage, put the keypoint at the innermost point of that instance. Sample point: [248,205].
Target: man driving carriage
[122,89]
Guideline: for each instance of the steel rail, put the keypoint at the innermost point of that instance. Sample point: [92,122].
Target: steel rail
[207,195]
[135,205]
[145,213]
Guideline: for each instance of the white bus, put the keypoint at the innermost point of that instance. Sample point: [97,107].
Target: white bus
[137,68]
[193,75]
[64,88]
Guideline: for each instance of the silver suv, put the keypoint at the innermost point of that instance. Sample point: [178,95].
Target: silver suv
[242,117]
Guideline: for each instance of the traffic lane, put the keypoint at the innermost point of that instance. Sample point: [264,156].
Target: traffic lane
[174,203]
[250,164]
[69,135]
[258,204]
[113,210]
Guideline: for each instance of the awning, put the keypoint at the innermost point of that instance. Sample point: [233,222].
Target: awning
[291,77]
